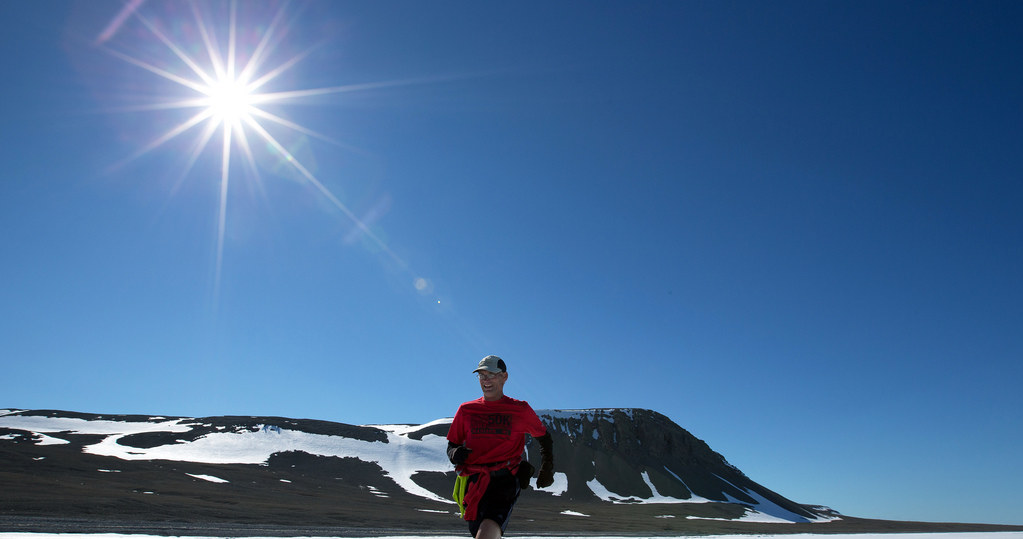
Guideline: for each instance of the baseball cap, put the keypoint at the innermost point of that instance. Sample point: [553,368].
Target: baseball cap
[491,364]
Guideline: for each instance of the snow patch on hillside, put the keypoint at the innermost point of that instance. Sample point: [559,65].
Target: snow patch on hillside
[74,425]
[766,510]
[560,485]
[209,478]
[405,430]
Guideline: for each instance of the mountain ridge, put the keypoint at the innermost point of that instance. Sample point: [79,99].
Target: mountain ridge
[622,470]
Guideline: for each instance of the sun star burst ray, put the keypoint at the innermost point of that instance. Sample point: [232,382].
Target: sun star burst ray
[225,87]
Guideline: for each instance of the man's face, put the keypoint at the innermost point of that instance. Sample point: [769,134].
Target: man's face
[492,384]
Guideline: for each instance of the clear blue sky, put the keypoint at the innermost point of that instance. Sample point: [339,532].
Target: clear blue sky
[792,227]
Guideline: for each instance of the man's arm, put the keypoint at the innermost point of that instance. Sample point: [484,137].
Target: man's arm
[546,476]
[457,452]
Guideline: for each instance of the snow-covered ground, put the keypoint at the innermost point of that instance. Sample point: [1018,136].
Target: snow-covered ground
[975,535]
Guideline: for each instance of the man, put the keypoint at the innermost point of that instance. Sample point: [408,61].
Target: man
[486,442]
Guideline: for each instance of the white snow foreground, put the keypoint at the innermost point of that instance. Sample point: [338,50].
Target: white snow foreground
[957,535]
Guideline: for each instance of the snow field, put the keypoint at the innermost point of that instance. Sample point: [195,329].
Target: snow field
[972,535]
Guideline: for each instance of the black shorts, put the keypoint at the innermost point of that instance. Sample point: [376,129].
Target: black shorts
[497,502]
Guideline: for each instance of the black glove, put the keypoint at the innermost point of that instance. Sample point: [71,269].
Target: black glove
[524,474]
[546,476]
[458,454]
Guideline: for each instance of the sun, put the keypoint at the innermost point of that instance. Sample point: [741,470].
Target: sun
[223,80]
[229,100]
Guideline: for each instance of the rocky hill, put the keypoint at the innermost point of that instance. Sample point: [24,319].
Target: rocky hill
[637,456]
[617,471]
